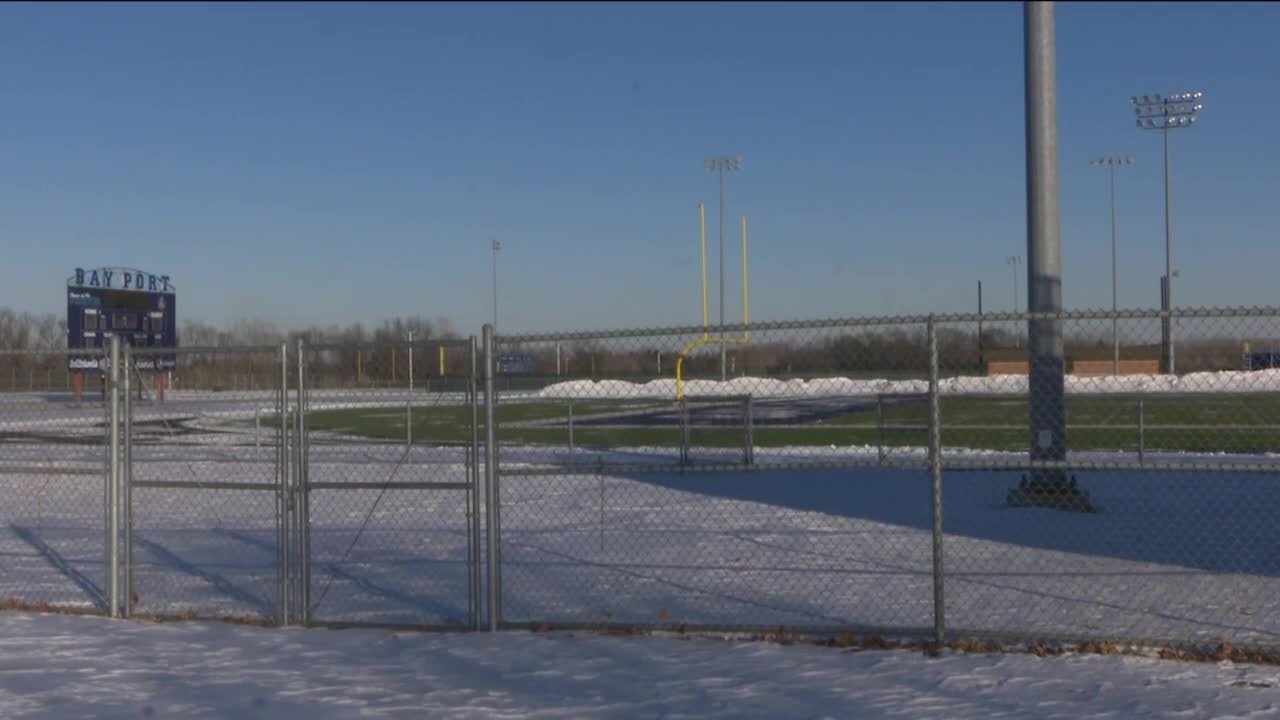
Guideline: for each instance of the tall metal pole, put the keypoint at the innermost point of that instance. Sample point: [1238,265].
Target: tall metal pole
[1115,306]
[1014,261]
[1047,408]
[723,347]
[1111,162]
[1166,113]
[721,164]
[1015,283]
[981,350]
[1168,255]
[497,245]
[1164,321]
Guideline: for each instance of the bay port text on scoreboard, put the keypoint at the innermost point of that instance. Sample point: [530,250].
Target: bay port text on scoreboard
[121,279]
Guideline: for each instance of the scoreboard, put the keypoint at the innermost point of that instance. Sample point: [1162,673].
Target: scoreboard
[515,364]
[137,306]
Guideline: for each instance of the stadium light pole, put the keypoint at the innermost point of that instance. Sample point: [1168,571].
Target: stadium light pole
[1014,261]
[1047,486]
[1156,112]
[723,164]
[1111,162]
[497,245]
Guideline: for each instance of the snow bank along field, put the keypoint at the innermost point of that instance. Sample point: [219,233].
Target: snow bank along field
[1186,556]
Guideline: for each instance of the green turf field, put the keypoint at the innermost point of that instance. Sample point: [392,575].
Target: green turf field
[1221,423]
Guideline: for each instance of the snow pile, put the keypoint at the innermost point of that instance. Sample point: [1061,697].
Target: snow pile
[665,389]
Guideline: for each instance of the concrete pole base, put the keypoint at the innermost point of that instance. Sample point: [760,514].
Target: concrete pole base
[1051,489]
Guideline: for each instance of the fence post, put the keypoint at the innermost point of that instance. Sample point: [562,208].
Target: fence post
[491,485]
[1142,431]
[408,405]
[476,583]
[935,471]
[880,426]
[113,484]
[684,431]
[748,419]
[304,492]
[282,490]
[127,479]
[570,432]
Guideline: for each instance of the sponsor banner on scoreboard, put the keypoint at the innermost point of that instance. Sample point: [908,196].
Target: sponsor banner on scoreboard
[145,363]
[83,299]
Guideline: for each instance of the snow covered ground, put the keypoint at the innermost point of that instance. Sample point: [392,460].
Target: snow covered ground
[83,667]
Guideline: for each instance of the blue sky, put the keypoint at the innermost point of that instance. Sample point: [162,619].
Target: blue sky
[327,163]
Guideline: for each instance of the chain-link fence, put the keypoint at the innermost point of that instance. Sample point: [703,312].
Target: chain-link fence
[1003,475]
[1152,518]
[53,460]
[719,496]
[997,476]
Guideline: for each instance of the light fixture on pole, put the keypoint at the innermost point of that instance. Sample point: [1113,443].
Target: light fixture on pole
[1111,162]
[721,165]
[1156,112]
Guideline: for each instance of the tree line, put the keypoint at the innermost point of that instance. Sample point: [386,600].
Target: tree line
[34,348]
[359,355]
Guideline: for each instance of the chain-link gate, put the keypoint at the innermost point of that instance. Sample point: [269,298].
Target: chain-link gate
[384,490]
[203,472]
